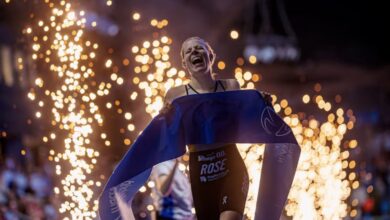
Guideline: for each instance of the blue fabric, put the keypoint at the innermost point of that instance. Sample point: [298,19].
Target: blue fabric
[222,117]
[167,207]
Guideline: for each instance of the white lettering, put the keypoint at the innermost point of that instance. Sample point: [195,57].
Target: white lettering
[204,169]
[214,167]
[122,190]
[220,154]
[210,168]
[223,164]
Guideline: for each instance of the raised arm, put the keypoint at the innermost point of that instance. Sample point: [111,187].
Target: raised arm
[164,180]
[170,96]
[230,84]
[233,84]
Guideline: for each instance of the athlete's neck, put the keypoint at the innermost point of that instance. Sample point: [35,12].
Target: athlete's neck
[203,82]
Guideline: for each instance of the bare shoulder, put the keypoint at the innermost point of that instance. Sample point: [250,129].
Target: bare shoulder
[230,84]
[174,92]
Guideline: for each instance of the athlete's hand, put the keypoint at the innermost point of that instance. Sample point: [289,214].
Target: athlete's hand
[165,109]
[267,98]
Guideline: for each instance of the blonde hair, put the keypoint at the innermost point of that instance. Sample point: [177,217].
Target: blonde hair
[212,54]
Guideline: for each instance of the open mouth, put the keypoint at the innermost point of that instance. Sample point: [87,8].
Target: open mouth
[197,60]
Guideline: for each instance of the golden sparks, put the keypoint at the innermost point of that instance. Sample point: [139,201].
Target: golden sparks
[321,183]
[71,92]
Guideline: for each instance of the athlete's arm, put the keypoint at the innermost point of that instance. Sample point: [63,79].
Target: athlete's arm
[267,97]
[164,181]
[167,103]
[170,96]
[232,84]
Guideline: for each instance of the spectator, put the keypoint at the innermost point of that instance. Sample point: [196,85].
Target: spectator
[172,192]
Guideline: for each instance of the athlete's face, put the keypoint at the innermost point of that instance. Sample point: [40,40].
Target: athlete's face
[196,57]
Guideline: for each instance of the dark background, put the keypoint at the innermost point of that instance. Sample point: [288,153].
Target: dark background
[344,47]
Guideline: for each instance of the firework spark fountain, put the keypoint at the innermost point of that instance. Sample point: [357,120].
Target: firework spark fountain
[321,186]
[323,163]
[69,88]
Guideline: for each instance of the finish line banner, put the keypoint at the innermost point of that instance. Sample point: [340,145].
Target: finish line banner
[240,116]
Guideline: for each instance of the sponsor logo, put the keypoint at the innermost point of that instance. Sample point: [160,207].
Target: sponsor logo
[211,156]
[224,200]
[213,171]
[216,176]
[202,158]
[121,189]
[212,168]
[273,125]
[112,200]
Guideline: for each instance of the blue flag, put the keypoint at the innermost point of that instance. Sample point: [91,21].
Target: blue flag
[223,117]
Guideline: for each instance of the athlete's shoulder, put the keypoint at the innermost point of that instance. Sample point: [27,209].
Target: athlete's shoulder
[230,84]
[174,92]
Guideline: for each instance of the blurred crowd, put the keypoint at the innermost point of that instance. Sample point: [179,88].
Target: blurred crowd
[25,193]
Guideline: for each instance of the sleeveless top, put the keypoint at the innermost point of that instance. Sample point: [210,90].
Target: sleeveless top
[190,91]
